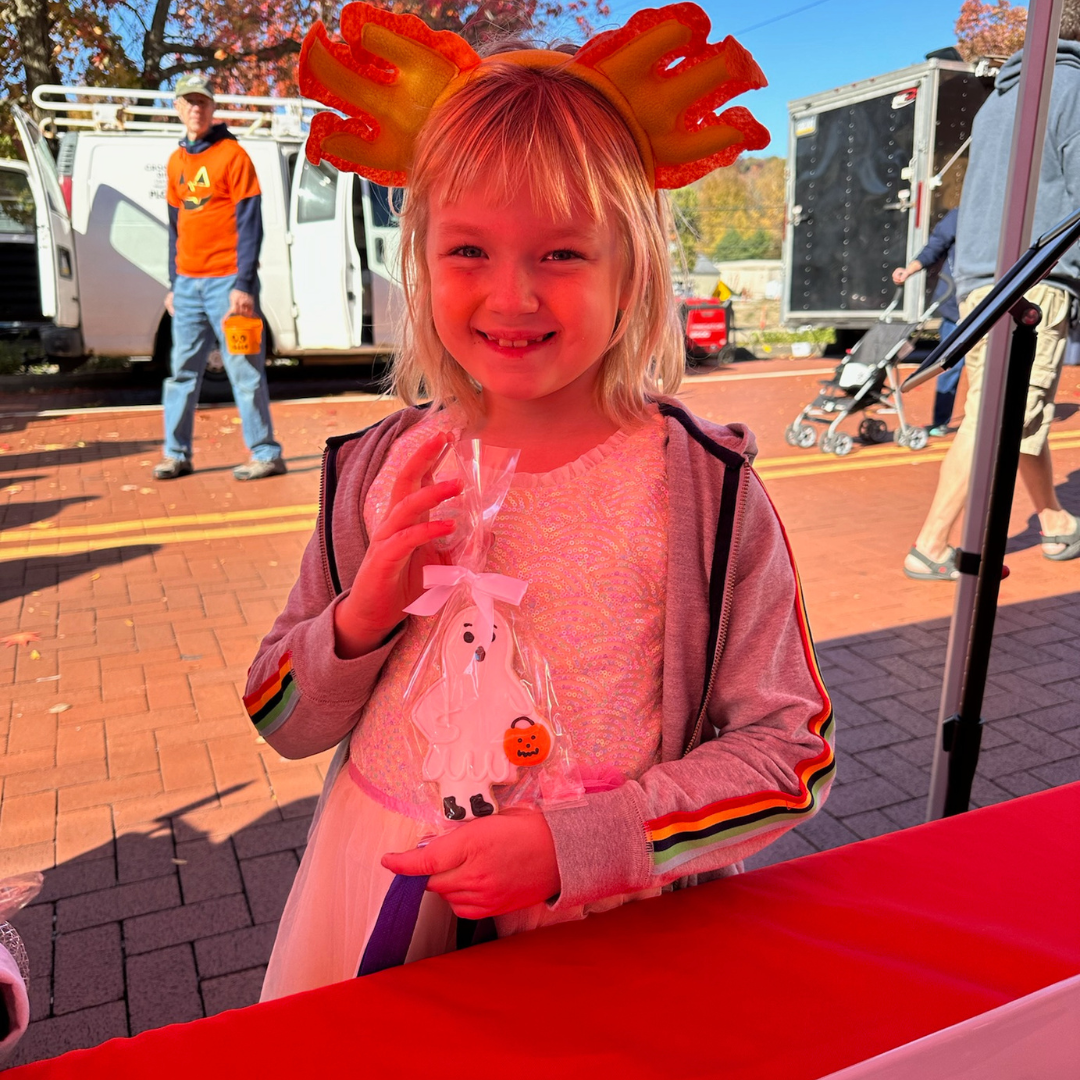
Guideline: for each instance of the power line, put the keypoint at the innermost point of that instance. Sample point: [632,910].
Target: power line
[778,18]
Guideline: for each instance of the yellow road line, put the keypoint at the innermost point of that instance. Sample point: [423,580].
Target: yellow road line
[45,545]
[873,458]
[111,527]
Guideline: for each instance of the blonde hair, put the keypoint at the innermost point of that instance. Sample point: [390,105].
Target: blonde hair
[552,133]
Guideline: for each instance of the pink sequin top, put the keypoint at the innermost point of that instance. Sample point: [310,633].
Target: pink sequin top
[590,539]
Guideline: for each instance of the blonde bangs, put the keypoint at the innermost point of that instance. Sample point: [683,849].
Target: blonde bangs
[561,139]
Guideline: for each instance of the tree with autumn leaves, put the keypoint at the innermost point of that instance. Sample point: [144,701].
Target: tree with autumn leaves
[248,46]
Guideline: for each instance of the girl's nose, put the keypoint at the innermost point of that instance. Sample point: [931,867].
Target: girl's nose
[512,291]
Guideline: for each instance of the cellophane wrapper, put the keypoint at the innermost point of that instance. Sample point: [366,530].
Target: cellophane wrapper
[485,718]
[15,893]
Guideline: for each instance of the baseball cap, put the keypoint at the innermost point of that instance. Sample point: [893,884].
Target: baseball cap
[194,83]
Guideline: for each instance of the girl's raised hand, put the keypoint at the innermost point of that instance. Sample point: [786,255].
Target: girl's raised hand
[488,866]
[391,575]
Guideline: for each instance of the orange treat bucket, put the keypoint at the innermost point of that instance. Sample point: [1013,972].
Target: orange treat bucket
[243,336]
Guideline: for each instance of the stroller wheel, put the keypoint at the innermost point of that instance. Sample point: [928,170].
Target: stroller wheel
[873,431]
[842,444]
[827,444]
[802,435]
[917,438]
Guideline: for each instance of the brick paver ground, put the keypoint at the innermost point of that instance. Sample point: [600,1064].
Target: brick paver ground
[169,834]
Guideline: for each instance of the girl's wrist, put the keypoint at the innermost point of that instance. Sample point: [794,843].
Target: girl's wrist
[353,638]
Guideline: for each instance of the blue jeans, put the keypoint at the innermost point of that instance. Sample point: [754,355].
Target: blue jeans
[947,381]
[200,304]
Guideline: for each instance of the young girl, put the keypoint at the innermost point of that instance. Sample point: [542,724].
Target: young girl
[661,588]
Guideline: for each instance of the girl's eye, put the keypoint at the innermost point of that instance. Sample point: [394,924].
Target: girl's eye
[564,255]
[467,251]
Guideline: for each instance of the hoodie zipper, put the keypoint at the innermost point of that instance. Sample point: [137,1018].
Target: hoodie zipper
[322,523]
[725,611]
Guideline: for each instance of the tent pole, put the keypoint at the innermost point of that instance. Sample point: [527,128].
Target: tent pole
[1029,128]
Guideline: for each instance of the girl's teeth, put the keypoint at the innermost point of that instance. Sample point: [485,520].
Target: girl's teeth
[507,344]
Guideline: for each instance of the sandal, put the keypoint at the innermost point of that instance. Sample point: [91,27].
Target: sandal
[935,571]
[1071,542]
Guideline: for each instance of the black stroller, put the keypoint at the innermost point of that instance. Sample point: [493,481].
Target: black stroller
[867,378]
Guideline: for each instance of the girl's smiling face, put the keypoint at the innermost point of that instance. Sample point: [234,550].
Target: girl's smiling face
[524,302]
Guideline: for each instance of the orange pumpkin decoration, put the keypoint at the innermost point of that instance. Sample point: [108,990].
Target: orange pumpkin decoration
[527,745]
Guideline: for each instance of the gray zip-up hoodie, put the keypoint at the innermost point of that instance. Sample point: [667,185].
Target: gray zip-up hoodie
[982,202]
[746,739]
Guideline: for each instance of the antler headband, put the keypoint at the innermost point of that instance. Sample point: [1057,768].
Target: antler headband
[658,71]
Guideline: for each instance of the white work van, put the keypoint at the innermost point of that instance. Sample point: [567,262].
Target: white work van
[99,234]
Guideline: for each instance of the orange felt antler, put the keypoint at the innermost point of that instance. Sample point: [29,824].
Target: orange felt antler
[385,79]
[658,70]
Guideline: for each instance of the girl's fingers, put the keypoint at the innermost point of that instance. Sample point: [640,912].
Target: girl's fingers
[400,546]
[412,474]
[414,506]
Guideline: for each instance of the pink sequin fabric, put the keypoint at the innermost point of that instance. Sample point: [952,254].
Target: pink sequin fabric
[590,539]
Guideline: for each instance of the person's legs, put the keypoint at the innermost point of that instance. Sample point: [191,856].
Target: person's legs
[1036,465]
[951,493]
[247,375]
[945,388]
[948,502]
[180,393]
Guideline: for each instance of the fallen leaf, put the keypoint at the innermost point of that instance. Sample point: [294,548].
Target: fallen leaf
[224,430]
[273,562]
[60,707]
[35,655]
[237,420]
[94,577]
[13,489]
[43,525]
[179,862]
[23,637]
[144,464]
[146,491]
[80,445]
[129,487]
[128,622]
[48,678]
[112,434]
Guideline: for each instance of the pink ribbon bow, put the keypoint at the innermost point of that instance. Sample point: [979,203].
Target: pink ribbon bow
[440,580]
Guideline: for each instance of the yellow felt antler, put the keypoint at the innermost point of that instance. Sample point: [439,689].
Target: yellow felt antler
[658,70]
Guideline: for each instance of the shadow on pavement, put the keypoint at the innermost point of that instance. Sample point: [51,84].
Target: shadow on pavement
[1068,494]
[18,515]
[18,577]
[76,455]
[163,925]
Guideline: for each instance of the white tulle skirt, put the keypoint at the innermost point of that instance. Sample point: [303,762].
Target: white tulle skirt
[340,887]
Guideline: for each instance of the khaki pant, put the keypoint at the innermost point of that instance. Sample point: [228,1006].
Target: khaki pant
[1045,371]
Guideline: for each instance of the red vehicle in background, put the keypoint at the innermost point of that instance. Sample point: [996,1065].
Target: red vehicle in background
[708,329]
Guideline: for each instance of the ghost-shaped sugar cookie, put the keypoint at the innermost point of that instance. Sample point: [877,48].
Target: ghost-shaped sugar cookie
[476,718]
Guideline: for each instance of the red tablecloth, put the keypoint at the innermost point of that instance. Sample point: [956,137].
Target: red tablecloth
[791,971]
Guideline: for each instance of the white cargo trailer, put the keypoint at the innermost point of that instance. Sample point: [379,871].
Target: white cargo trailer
[872,167]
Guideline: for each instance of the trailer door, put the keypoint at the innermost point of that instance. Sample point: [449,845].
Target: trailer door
[56,250]
[326,305]
[850,204]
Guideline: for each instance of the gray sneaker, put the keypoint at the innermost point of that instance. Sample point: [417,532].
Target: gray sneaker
[256,470]
[170,468]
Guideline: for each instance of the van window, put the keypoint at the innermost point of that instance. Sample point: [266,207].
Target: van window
[16,204]
[386,205]
[318,193]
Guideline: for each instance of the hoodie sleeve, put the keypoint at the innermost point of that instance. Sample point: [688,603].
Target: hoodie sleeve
[247,199]
[769,766]
[940,240]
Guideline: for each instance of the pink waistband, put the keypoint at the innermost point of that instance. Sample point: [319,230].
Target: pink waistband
[398,806]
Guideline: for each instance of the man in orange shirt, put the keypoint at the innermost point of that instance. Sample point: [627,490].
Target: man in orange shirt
[215,232]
